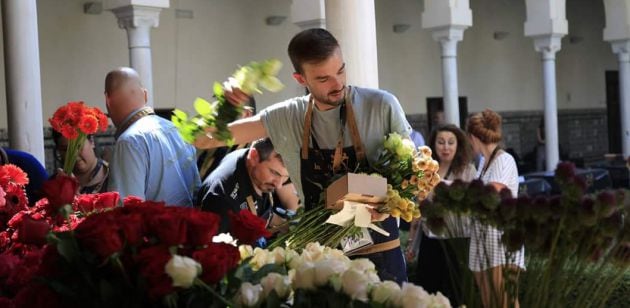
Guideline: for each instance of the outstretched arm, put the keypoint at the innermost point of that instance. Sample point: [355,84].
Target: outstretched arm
[243,130]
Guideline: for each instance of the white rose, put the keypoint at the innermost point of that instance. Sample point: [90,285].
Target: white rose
[277,255]
[183,271]
[246,251]
[355,284]
[224,238]
[274,281]
[313,252]
[331,253]
[296,262]
[414,296]
[386,291]
[362,265]
[290,256]
[248,295]
[326,268]
[259,259]
[441,301]
[304,277]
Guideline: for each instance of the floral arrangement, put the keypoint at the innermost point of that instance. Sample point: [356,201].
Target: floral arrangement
[411,175]
[214,117]
[573,241]
[321,276]
[75,121]
[23,236]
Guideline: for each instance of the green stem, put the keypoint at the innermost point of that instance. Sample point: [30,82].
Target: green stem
[214,293]
[70,159]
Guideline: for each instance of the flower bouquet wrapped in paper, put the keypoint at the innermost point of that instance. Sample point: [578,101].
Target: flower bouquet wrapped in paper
[214,117]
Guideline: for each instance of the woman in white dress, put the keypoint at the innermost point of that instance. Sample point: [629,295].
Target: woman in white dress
[487,258]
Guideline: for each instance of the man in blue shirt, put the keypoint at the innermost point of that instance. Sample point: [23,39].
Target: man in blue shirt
[150,160]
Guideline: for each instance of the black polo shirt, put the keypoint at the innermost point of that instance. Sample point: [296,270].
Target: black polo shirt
[227,188]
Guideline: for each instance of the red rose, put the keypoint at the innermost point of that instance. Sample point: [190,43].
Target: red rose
[133,228]
[91,202]
[36,295]
[60,191]
[49,267]
[247,227]
[8,262]
[151,262]
[33,231]
[216,260]
[6,302]
[84,203]
[202,226]
[169,227]
[100,233]
[107,200]
[132,201]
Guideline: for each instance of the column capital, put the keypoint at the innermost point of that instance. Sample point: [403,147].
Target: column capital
[448,37]
[133,16]
[548,45]
[622,49]
[308,14]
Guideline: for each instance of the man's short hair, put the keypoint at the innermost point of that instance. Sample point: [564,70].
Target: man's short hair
[265,149]
[311,46]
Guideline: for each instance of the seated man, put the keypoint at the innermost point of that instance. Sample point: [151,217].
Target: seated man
[246,179]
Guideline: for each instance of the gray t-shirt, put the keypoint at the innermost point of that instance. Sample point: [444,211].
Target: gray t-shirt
[377,114]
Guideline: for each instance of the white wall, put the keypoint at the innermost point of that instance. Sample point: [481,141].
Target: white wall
[504,75]
[77,50]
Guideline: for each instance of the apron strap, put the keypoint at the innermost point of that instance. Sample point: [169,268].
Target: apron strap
[250,205]
[354,133]
[307,128]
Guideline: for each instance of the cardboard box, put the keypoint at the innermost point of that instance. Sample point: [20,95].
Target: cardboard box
[356,187]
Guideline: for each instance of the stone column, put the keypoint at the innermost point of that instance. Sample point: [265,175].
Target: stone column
[353,23]
[138,17]
[546,24]
[22,76]
[447,20]
[617,33]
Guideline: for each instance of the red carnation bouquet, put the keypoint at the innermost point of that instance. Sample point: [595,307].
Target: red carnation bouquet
[75,121]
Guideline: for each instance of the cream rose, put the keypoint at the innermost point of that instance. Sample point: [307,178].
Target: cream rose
[183,271]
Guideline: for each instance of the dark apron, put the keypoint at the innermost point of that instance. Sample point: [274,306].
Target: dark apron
[318,166]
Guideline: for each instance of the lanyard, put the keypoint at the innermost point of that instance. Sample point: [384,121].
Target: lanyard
[145,111]
[347,115]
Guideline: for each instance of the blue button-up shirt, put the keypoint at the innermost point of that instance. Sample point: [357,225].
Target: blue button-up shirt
[151,161]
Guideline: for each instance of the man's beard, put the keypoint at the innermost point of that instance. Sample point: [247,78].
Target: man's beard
[336,103]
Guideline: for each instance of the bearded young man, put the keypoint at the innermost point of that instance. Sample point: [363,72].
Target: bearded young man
[330,131]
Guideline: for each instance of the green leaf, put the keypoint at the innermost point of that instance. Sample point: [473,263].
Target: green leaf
[217,89]
[68,247]
[265,270]
[180,114]
[203,107]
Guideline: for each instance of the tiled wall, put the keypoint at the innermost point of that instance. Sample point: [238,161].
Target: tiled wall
[583,134]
